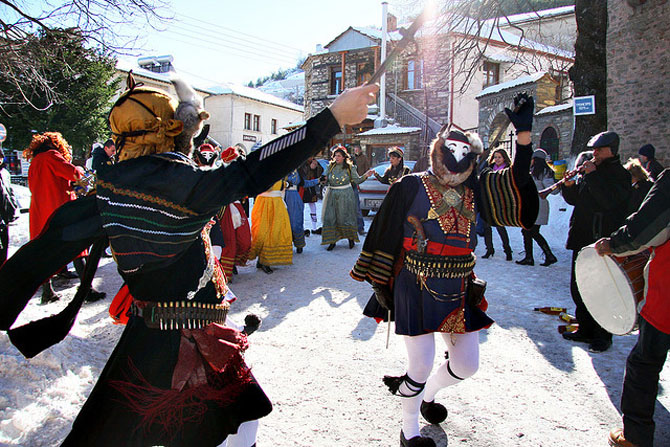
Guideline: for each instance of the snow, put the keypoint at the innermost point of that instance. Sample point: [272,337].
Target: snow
[528,79]
[554,109]
[390,130]
[321,362]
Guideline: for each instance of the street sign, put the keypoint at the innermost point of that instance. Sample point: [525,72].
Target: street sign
[3,132]
[585,105]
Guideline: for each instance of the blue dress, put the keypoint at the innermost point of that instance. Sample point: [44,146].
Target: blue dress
[296,207]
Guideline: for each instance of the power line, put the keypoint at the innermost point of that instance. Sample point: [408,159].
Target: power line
[236,46]
[218,47]
[216,25]
[258,45]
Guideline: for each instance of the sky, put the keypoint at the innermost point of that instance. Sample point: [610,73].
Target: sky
[217,41]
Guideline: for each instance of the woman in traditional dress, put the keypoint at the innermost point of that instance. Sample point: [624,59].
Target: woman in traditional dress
[339,203]
[397,168]
[311,169]
[498,160]
[271,229]
[296,207]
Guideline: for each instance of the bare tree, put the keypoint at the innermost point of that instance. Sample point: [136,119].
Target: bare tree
[97,21]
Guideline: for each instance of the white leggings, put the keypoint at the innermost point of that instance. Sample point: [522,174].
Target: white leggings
[312,213]
[463,362]
[245,436]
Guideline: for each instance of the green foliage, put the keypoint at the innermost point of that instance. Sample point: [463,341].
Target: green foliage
[82,80]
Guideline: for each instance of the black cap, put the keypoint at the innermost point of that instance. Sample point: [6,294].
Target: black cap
[605,139]
[648,150]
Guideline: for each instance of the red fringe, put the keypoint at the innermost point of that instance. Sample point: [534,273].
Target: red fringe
[171,409]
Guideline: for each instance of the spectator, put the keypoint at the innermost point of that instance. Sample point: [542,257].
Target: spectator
[497,161]
[104,156]
[641,183]
[362,166]
[649,162]
[9,206]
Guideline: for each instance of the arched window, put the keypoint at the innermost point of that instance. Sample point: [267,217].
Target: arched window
[549,142]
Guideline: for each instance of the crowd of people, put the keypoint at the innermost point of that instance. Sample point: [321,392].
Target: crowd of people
[183,245]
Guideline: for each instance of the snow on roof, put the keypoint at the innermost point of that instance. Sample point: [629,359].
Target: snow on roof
[368,31]
[227,88]
[294,124]
[509,84]
[555,109]
[255,94]
[390,130]
[537,15]
[487,30]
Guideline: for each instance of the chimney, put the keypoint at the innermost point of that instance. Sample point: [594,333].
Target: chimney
[391,23]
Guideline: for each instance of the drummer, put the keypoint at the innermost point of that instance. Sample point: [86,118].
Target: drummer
[600,199]
[649,227]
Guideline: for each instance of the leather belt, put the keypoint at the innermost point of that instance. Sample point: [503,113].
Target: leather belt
[176,315]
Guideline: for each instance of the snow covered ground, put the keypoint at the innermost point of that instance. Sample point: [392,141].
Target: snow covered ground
[321,362]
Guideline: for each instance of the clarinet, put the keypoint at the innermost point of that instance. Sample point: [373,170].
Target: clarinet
[546,191]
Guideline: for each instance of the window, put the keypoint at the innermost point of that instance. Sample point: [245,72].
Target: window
[257,123]
[414,75]
[273,126]
[247,121]
[335,80]
[491,73]
[363,73]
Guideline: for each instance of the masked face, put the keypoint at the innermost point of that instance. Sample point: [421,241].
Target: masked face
[459,148]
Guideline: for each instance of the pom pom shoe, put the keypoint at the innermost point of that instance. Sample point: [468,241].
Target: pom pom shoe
[433,412]
[417,441]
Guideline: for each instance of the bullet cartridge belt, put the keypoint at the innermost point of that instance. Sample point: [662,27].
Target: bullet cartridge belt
[176,315]
[437,266]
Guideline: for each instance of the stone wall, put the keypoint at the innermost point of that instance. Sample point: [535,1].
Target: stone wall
[638,63]
[562,123]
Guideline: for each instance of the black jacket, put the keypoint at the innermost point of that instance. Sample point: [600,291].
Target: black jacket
[654,168]
[100,159]
[601,200]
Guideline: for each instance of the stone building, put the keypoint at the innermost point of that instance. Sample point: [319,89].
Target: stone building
[424,86]
[638,63]
[553,126]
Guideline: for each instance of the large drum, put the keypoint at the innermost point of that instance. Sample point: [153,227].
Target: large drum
[611,287]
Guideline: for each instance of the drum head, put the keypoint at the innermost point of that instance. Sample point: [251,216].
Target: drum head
[606,291]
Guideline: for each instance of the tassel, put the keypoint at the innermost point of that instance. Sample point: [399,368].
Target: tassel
[393,382]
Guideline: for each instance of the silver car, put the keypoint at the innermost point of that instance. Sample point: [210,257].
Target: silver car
[372,191]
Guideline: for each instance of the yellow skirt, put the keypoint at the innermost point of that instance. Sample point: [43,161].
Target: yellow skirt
[271,237]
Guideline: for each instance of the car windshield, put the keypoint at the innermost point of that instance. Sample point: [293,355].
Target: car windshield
[381,167]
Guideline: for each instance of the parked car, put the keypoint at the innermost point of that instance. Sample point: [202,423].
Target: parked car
[372,191]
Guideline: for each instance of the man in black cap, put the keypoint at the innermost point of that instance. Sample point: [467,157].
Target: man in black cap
[600,199]
[649,162]
[103,156]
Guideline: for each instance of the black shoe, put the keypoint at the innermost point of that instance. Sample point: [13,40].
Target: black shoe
[234,270]
[251,323]
[417,441]
[600,345]
[433,412]
[298,249]
[307,233]
[66,274]
[362,233]
[488,254]
[265,268]
[549,259]
[508,256]
[94,295]
[317,231]
[49,297]
[330,247]
[351,243]
[577,336]
[526,261]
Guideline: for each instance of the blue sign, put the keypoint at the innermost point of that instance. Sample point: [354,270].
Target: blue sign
[585,105]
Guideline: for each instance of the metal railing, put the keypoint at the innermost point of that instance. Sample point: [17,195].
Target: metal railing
[409,116]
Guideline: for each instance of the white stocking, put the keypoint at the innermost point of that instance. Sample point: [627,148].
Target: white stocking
[245,436]
[312,214]
[420,357]
[463,362]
